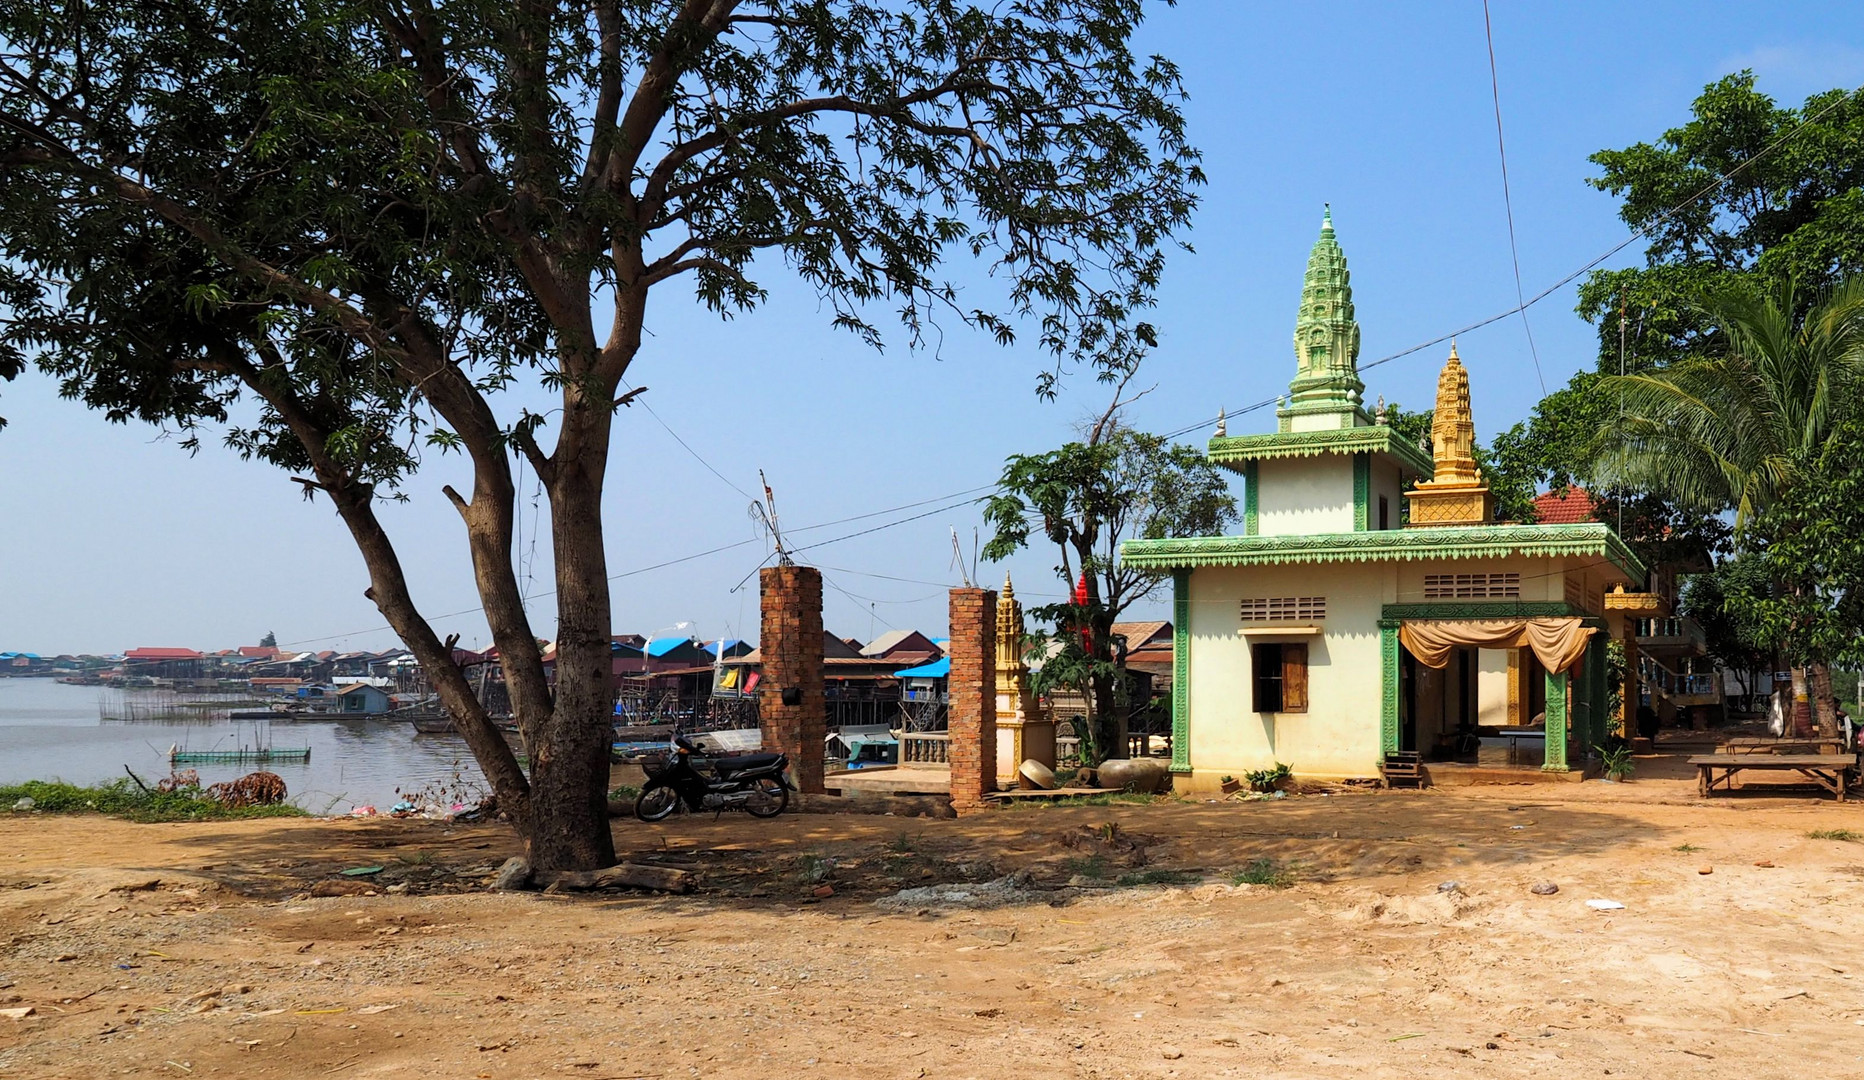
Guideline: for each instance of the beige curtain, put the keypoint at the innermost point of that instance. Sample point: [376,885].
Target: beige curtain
[1559,643]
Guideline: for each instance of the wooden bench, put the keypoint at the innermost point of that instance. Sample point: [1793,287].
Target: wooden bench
[1833,772]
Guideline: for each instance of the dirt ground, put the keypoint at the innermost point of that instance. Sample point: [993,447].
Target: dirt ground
[204,950]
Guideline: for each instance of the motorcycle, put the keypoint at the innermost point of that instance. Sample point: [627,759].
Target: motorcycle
[754,783]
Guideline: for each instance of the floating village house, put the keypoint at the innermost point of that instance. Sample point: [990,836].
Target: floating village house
[1339,628]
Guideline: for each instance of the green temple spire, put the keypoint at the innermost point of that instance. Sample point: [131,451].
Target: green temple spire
[1326,390]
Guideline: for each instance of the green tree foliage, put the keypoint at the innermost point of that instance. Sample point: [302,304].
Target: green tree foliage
[269,641]
[1797,213]
[1811,542]
[338,231]
[1086,498]
[1736,427]
[1794,212]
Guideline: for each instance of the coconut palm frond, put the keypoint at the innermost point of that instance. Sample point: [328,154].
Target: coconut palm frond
[1732,430]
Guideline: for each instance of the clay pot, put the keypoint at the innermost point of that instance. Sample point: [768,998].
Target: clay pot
[1142,775]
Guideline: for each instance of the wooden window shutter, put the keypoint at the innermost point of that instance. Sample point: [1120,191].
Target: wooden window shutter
[1294,678]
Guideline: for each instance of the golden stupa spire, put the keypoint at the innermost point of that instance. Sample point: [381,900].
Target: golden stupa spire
[1010,666]
[1456,493]
[1453,427]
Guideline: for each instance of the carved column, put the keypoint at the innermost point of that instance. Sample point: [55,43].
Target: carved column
[1181,671]
[1023,733]
[1557,687]
[1392,679]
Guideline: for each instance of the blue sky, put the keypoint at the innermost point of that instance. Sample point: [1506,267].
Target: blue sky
[113,538]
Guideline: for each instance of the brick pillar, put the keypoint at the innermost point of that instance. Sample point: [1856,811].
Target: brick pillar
[973,688]
[790,706]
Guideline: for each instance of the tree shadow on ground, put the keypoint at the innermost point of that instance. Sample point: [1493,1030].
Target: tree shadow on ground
[802,860]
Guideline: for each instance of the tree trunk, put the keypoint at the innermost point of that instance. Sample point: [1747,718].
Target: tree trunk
[569,754]
[1799,718]
[1825,709]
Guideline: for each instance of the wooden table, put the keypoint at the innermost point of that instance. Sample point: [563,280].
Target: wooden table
[1833,772]
[1781,745]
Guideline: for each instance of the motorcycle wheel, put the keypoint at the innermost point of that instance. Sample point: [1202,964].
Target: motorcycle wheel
[768,799]
[656,804]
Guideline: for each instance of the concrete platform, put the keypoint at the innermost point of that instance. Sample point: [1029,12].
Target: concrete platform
[1456,774]
[892,781]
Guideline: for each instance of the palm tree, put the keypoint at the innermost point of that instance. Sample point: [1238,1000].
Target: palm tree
[1736,427]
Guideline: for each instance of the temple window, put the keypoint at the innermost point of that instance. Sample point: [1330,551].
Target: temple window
[1280,677]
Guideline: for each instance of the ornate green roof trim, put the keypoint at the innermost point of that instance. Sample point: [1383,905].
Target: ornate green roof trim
[1582,540]
[1379,439]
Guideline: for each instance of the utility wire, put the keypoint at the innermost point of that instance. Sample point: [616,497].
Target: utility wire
[1501,148]
[687,447]
[1521,307]
[1636,234]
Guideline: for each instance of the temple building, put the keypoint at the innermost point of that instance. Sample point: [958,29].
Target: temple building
[1373,605]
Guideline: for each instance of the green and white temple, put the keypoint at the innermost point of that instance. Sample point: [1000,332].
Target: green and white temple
[1372,603]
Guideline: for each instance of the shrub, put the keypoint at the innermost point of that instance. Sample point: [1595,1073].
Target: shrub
[122,798]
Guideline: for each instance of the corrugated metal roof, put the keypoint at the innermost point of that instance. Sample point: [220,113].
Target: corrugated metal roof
[661,646]
[937,669]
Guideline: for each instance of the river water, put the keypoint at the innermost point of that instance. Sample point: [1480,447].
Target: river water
[52,731]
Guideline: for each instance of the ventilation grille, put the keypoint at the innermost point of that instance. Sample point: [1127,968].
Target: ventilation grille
[1284,608]
[1472,586]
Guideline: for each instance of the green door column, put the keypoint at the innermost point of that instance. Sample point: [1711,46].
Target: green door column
[1556,722]
[1391,679]
[1181,669]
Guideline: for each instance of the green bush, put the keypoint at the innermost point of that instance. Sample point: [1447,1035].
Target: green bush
[122,798]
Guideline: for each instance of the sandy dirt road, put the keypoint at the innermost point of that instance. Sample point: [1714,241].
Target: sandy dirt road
[197,950]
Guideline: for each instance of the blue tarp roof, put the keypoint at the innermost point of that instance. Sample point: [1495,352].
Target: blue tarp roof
[937,669]
[712,646]
[661,646]
[12,655]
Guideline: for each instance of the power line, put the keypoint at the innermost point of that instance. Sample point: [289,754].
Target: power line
[1501,148]
[1636,234]
[683,443]
[688,558]
[1520,308]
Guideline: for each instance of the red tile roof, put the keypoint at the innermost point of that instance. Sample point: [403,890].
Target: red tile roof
[1564,508]
[161,654]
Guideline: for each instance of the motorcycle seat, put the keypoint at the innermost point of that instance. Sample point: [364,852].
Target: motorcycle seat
[746,762]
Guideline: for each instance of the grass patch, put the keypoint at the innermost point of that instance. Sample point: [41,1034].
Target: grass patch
[624,793]
[1087,866]
[1835,834]
[122,798]
[1265,872]
[1685,848]
[1160,877]
[902,844]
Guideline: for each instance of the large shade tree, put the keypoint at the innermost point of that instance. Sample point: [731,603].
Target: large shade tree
[341,228]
